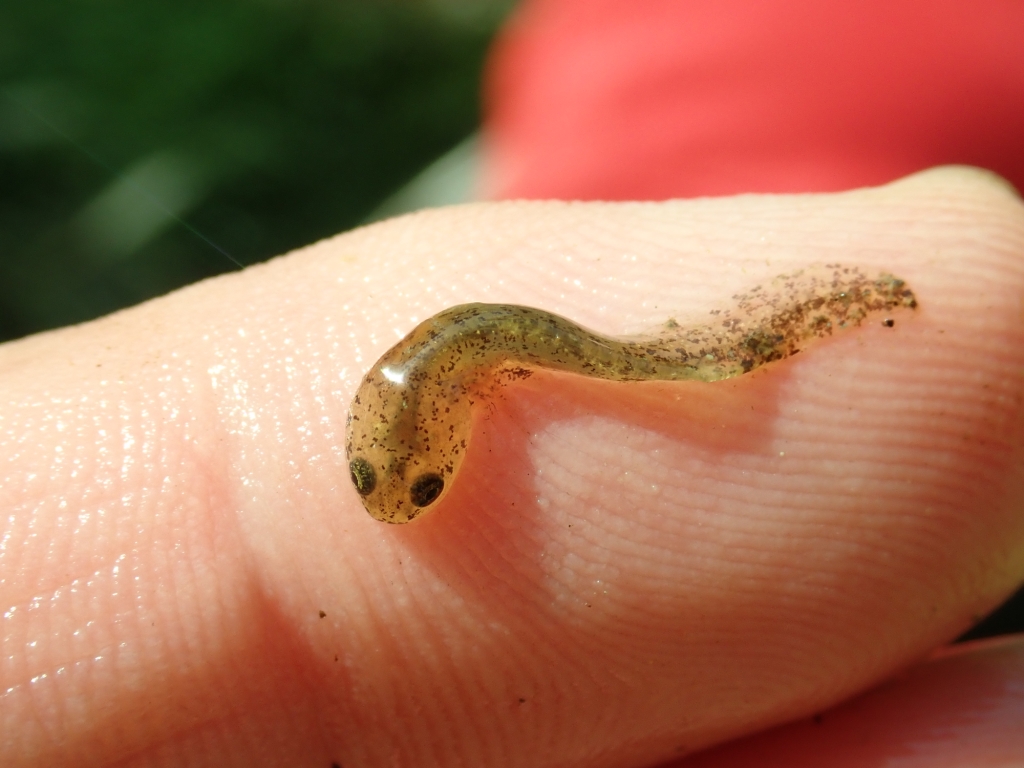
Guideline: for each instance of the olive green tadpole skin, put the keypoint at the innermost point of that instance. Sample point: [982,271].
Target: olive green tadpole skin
[410,420]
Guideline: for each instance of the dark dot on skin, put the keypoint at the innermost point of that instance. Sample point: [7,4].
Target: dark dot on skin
[364,478]
[888,322]
[323,615]
[425,489]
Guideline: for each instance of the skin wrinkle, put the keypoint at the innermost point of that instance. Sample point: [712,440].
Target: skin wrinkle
[454,695]
[109,648]
[536,616]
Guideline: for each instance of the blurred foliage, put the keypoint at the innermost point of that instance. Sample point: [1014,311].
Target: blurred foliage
[264,124]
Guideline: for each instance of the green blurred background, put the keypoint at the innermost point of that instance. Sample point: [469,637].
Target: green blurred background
[263,124]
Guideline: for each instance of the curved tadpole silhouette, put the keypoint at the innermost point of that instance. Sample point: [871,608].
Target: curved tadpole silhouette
[411,418]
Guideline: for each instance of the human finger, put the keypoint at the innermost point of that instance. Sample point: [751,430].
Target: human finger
[608,553]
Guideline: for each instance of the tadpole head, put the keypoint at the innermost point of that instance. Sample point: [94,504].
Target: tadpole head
[404,502]
[405,439]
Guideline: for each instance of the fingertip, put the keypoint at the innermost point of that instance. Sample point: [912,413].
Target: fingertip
[962,180]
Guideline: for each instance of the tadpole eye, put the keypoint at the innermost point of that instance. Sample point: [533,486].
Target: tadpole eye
[425,489]
[364,478]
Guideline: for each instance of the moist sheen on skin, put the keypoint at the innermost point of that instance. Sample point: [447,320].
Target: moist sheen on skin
[411,418]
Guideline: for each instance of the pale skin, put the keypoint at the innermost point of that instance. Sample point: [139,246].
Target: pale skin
[189,578]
